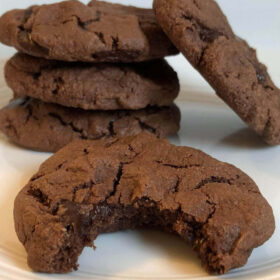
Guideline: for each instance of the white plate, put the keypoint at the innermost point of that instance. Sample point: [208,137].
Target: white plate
[207,124]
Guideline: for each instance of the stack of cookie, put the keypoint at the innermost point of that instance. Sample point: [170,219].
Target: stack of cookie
[86,72]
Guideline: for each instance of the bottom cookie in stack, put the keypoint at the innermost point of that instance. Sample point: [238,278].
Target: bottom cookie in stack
[48,127]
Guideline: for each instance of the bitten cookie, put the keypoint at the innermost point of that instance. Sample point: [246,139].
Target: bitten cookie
[91,187]
[72,31]
[200,30]
[93,86]
[48,127]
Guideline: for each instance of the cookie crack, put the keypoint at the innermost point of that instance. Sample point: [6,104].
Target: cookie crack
[201,243]
[41,197]
[177,166]
[115,43]
[206,34]
[29,108]
[119,174]
[88,186]
[24,35]
[175,188]
[212,179]
[83,24]
[100,36]
[200,60]
[116,181]
[60,165]
[144,126]
[213,204]
[70,124]
[29,114]
[35,178]
[111,128]
[110,144]
[132,150]
[27,15]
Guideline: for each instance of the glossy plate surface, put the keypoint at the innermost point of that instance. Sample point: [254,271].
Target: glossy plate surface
[207,124]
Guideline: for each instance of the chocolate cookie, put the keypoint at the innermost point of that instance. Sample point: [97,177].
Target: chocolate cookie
[48,127]
[159,45]
[201,31]
[91,187]
[72,31]
[98,86]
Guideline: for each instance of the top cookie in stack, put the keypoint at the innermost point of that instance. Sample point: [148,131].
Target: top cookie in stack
[72,31]
[78,57]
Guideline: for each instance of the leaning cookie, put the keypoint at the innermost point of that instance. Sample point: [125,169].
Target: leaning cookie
[201,31]
[72,31]
[91,187]
[93,86]
[48,127]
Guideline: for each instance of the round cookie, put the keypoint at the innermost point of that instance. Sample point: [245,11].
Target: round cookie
[159,45]
[48,127]
[93,86]
[199,29]
[72,31]
[91,187]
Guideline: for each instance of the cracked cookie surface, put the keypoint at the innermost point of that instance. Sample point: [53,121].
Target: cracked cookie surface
[159,45]
[72,31]
[199,29]
[91,187]
[93,86]
[48,127]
